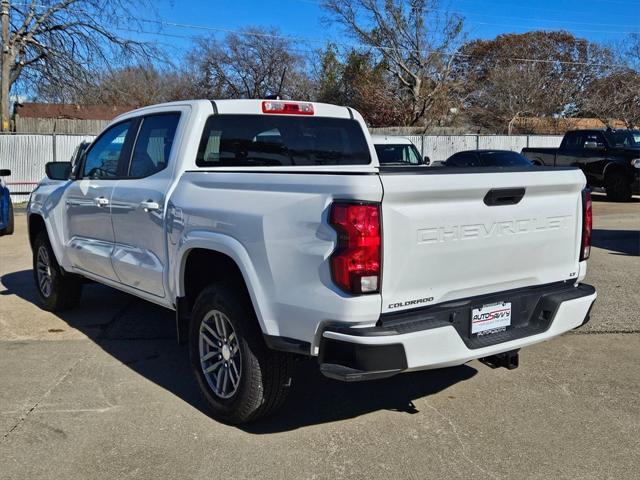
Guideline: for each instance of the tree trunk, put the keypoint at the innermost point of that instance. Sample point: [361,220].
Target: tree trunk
[511,122]
[5,73]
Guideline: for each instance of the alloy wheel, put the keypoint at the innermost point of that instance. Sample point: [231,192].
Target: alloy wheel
[43,268]
[220,357]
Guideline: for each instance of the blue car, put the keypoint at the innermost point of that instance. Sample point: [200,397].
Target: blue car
[6,207]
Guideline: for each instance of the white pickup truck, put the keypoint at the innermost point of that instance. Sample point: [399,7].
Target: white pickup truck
[271,229]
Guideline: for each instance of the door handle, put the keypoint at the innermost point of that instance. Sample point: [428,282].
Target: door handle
[150,206]
[101,201]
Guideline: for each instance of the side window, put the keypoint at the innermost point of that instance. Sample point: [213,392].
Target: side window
[573,141]
[153,145]
[410,155]
[103,158]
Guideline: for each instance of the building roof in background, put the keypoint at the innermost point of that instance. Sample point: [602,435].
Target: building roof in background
[70,111]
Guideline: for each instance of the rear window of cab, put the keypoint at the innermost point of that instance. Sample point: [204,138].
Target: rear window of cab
[280,140]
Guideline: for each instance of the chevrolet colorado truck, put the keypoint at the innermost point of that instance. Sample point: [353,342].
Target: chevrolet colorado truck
[272,231]
[608,158]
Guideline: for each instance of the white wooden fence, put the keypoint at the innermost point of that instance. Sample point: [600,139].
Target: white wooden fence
[26,154]
[441,147]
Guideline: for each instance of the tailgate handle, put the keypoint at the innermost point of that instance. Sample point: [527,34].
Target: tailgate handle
[503,196]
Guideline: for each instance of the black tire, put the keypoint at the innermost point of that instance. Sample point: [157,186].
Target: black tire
[265,374]
[64,289]
[618,186]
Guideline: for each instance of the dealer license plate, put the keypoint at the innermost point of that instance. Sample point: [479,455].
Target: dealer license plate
[492,318]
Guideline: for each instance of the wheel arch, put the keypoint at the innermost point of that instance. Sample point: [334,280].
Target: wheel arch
[216,257]
[36,225]
[614,167]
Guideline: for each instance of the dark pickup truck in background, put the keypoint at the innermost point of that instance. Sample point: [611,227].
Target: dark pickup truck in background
[608,158]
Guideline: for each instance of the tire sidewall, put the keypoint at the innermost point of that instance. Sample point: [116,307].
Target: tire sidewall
[223,300]
[42,242]
[617,187]
[65,290]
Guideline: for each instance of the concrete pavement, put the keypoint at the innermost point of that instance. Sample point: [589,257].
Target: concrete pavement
[103,391]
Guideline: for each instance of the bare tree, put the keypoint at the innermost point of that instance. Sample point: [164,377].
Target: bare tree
[136,86]
[415,41]
[615,97]
[253,64]
[64,41]
[631,51]
[542,74]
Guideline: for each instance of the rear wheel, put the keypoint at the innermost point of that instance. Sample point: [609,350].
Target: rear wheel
[239,377]
[618,187]
[57,289]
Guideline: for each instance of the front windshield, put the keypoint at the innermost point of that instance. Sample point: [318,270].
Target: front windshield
[399,154]
[625,138]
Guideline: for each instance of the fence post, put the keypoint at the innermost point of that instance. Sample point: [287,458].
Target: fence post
[528,140]
[54,146]
[477,142]
[422,145]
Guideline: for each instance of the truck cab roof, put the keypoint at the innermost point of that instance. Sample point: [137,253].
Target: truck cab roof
[390,140]
[246,107]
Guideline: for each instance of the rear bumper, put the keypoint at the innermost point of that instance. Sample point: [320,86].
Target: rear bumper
[439,337]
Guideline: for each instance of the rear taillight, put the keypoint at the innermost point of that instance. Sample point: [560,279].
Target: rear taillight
[587,224]
[355,263]
[290,108]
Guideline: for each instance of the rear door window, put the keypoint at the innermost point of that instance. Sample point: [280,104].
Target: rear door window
[271,141]
[153,145]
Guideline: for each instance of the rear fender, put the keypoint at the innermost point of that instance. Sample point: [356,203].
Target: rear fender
[233,249]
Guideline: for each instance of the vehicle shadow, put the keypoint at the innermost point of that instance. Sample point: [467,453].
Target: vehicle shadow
[141,335]
[623,242]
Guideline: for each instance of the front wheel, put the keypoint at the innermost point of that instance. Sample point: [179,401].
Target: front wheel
[239,377]
[57,289]
[618,187]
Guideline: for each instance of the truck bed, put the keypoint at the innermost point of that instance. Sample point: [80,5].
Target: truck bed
[541,156]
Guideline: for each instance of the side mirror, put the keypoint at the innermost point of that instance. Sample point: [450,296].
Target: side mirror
[58,170]
[426,160]
[592,146]
[5,172]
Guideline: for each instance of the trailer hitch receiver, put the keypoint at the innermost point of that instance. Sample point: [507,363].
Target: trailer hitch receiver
[508,360]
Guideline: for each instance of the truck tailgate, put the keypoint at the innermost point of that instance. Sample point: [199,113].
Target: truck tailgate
[453,234]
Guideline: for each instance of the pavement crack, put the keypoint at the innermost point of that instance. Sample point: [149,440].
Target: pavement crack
[23,417]
[454,429]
